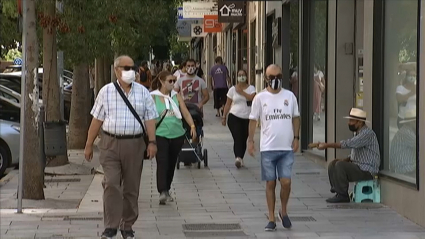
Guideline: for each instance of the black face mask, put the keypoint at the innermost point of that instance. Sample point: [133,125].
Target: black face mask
[352,128]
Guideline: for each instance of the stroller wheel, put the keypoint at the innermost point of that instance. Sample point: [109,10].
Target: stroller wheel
[178,164]
[199,164]
[205,156]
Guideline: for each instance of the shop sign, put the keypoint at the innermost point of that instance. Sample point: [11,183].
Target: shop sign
[231,11]
[196,10]
[211,24]
[184,27]
[197,30]
[180,13]
[276,32]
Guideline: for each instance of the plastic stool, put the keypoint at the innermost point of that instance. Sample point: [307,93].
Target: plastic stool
[367,191]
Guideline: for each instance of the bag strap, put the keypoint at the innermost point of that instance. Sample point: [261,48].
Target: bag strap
[162,118]
[163,114]
[130,107]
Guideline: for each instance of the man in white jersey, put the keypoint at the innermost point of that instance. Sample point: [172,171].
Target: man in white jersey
[277,110]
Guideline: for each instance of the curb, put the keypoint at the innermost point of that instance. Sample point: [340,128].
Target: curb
[8,177]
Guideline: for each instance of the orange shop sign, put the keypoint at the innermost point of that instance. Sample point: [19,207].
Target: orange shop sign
[211,23]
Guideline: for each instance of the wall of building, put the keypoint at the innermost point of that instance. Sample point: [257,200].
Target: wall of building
[276,7]
[405,198]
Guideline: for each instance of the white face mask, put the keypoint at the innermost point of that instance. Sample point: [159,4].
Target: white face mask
[411,79]
[191,70]
[241,78]
[128,76]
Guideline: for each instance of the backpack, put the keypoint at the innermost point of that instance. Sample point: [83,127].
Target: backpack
[143,75]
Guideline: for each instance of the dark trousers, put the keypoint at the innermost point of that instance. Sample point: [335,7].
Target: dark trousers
[239,128]
[220,97]
[166,158]
[341,173]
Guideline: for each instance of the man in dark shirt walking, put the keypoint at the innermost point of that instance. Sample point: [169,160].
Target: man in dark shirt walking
[220,80]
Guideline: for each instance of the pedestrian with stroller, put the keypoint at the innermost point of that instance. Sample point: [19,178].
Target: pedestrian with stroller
[169,130]
[236,110]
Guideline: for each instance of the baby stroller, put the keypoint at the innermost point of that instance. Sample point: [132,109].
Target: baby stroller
[193,152]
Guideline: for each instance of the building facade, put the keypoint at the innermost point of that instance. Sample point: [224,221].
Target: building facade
[338,54]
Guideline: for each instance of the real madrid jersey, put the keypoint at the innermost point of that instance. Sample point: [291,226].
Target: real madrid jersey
[275,112]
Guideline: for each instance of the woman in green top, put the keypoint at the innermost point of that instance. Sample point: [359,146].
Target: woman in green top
[170,132]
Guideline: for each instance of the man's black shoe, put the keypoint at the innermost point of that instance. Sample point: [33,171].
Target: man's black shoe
[127,234]
[333,190]
[109,233]
[338,199]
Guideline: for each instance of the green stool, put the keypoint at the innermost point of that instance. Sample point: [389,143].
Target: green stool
[367,191]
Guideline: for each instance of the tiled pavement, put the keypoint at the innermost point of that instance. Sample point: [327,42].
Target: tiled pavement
[220,194]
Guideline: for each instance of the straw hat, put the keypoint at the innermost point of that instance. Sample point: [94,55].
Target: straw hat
[357,114]
[409,116]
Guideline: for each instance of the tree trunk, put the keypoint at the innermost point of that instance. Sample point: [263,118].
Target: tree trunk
[33,170]
[99,73]
[79,122]
[51,91]
[107,71]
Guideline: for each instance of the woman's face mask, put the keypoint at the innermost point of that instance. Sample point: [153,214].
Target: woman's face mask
[128,76]
[169,84]
[241,78]
[411,79]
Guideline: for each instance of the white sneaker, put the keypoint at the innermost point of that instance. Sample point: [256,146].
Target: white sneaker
[238,163]
[169,197]
[162,198]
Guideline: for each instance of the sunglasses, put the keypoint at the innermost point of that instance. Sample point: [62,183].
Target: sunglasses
[171,81]
[271,77]
[127,68]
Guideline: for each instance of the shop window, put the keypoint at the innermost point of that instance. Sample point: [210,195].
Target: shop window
[400,72]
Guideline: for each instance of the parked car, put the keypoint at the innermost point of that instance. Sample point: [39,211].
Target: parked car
[13,82]
[9,145]
[12,68]
[9,110]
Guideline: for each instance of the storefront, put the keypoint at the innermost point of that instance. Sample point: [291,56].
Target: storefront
[375,53]
[397,108]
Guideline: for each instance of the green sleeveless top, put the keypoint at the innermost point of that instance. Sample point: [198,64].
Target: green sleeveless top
[171,127]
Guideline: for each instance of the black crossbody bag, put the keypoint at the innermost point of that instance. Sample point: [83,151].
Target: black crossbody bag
[133,111]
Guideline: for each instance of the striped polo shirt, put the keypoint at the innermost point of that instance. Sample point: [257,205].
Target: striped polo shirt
[364,150]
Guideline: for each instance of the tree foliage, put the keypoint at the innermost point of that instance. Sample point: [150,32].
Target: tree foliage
[103,28]
[9,31]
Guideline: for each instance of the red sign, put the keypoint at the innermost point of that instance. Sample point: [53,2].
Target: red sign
[211,24]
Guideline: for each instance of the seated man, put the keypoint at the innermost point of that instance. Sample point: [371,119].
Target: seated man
[361,165]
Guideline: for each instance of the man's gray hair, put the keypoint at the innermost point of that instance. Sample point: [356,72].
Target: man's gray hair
[118,59]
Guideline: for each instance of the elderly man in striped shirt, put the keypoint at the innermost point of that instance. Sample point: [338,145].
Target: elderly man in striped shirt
[363,162]
[122,146]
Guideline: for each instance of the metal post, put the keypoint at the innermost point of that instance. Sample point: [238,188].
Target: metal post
[22,120]
[59,7]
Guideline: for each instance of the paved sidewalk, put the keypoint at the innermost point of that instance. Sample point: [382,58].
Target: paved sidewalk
[219,194]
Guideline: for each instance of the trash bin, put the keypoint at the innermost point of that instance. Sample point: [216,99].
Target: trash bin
[55,138]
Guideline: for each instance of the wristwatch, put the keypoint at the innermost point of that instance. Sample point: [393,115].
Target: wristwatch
[297,137]
[152,142]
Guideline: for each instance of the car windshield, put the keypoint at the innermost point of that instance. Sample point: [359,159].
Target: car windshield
[11,84]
